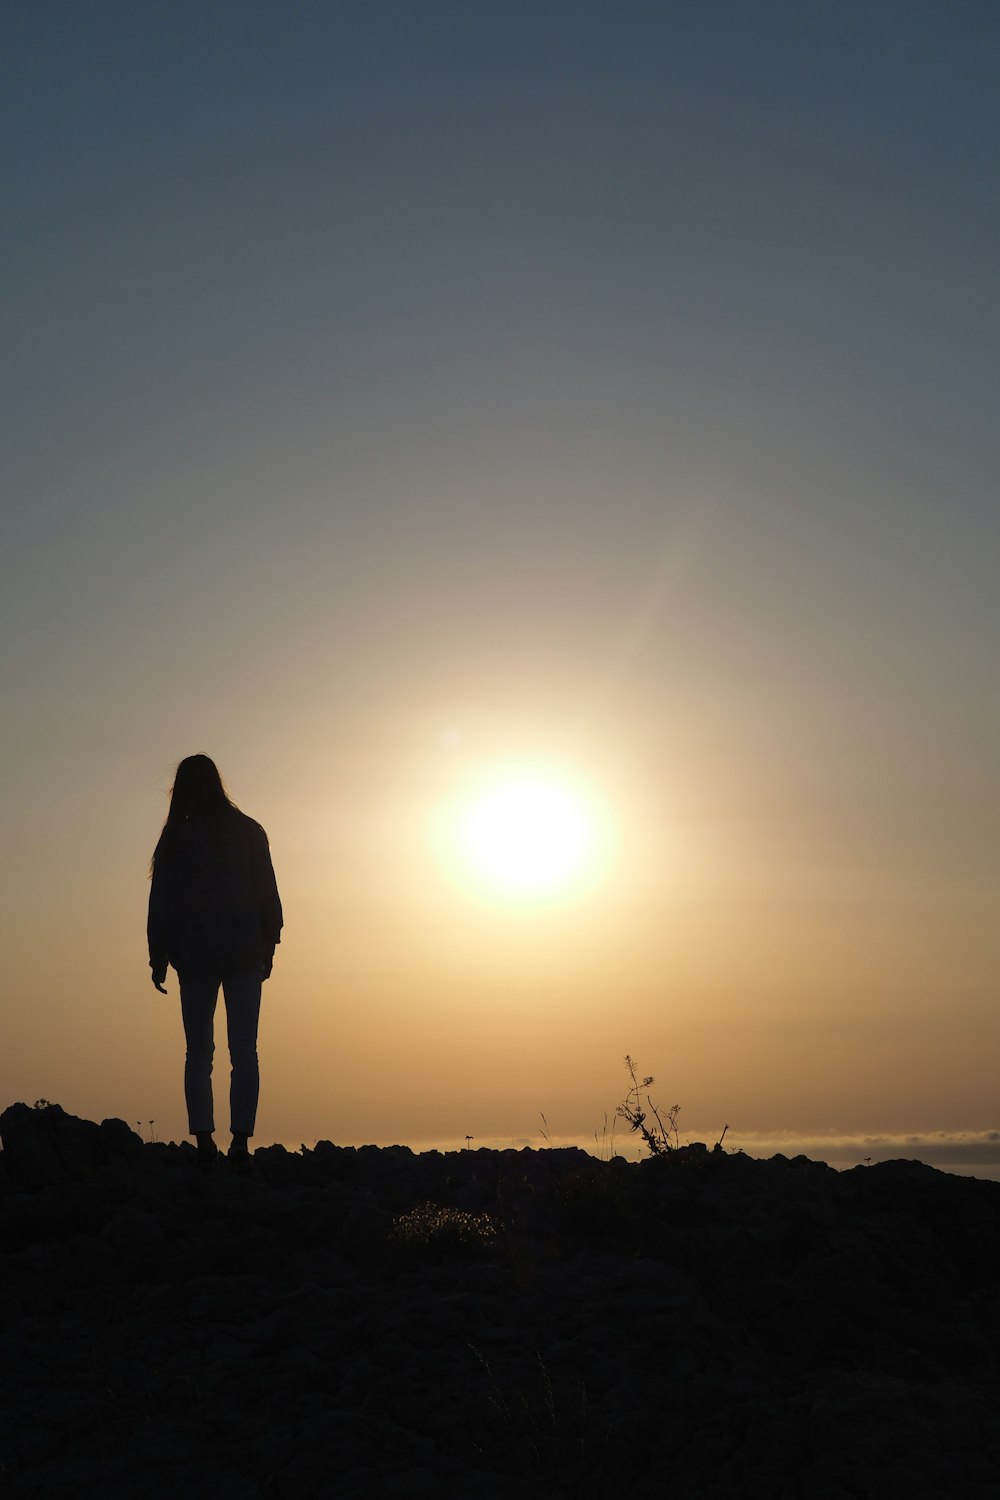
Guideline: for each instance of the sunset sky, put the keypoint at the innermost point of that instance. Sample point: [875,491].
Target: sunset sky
[402,400]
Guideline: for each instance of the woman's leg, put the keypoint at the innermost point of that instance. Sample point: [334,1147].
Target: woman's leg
[198,1000]
[242,992]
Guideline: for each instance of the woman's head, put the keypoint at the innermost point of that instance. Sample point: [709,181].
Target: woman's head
[197,792]
[197,789]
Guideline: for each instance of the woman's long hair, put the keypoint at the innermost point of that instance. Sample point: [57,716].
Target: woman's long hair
[197,792]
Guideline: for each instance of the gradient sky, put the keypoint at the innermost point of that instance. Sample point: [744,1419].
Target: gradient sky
[398,391]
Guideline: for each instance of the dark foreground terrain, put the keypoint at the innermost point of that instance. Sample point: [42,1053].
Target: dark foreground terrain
[344,1322]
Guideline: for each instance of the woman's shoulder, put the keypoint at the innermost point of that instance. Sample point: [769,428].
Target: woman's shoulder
[250,828]
[218,830]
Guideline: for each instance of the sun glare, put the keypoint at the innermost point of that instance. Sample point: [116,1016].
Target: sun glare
[528,835]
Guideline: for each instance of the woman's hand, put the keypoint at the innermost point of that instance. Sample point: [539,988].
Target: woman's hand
[159,975]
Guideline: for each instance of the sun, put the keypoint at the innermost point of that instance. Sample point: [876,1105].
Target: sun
[528,835]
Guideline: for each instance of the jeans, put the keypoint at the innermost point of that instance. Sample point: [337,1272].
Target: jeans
[198,1001]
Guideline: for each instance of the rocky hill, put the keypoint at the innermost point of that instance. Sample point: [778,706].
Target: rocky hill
[348,1323]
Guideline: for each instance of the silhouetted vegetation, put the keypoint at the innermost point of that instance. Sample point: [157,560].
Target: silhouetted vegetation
[660,1137]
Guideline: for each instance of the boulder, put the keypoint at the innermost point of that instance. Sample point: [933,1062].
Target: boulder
[43,1145]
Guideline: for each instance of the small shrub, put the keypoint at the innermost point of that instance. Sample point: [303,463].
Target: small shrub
[443,1231]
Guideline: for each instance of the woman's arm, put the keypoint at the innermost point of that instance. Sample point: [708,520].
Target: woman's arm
[269,913]
[156,927]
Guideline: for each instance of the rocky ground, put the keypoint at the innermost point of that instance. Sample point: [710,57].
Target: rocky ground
[344,1322]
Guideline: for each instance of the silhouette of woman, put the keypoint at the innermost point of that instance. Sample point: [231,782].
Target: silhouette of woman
[215,915]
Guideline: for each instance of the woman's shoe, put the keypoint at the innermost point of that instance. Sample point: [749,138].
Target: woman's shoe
[208,1151]
[239,1147]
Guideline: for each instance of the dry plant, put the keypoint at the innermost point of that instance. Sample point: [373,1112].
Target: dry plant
[542,1433]
[660,1137]
[605,1142]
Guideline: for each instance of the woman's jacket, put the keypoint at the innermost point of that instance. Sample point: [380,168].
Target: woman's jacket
[214,908]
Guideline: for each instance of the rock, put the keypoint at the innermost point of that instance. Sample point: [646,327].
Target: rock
[537,1323]
[44,1145]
